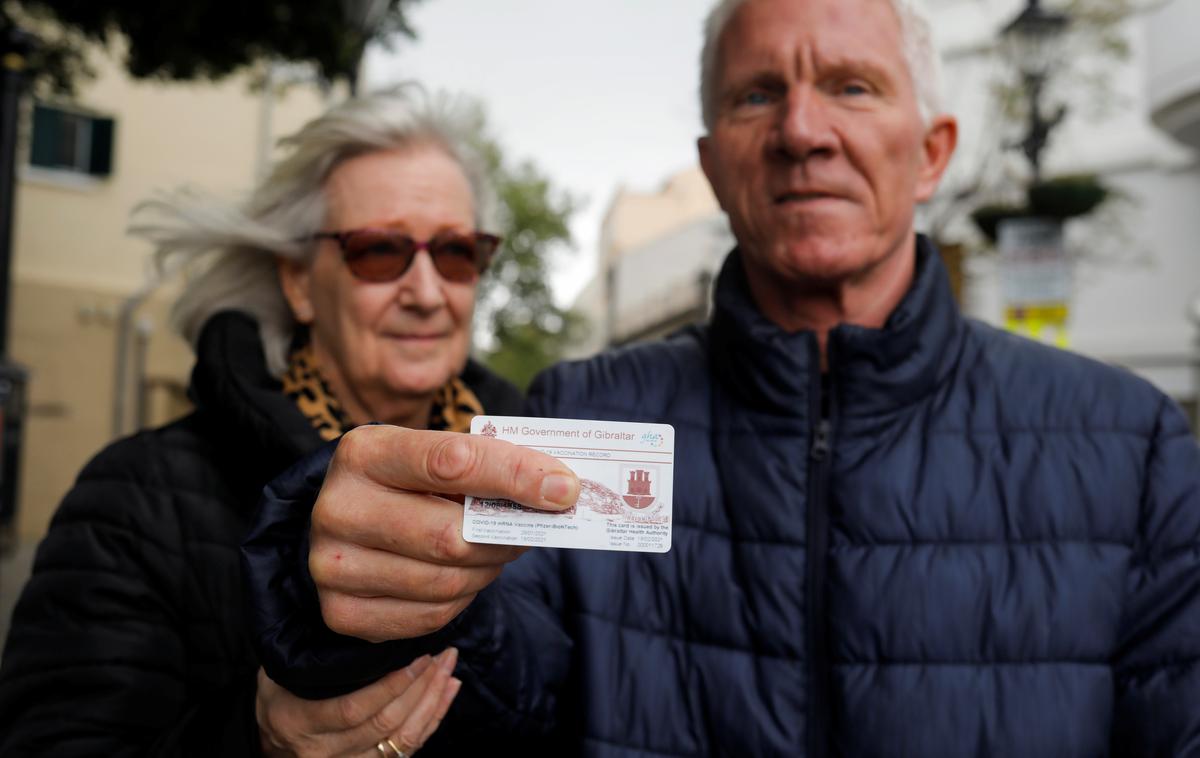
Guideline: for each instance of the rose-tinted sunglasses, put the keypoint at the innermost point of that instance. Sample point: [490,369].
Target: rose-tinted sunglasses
[382,255]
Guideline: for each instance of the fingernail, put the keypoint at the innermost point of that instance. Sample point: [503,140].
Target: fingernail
[452,687]
[559,489]
[418,666]
[449,658]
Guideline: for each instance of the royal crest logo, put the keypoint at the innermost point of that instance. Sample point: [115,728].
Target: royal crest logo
[489,429]
[638,493]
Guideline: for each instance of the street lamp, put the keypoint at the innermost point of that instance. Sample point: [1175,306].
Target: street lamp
[1032,41]
[15,48]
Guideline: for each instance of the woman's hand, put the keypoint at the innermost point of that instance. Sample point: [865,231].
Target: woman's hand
[406,707]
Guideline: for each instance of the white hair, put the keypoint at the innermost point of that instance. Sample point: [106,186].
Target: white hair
[924,65]
[241,242]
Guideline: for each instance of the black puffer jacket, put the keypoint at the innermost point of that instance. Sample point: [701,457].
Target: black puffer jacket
[129,638]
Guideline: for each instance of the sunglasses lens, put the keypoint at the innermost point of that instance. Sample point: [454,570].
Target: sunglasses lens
[456,257]
[381,255]
[378,256]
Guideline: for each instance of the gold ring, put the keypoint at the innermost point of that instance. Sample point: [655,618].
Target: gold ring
[388,749]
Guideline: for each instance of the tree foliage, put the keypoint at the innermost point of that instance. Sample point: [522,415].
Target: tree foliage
[521,329]
[202,39]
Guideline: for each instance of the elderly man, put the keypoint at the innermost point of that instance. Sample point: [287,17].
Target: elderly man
[897,532]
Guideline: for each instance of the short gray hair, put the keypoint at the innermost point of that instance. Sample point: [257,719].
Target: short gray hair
[924,65]
[241,242]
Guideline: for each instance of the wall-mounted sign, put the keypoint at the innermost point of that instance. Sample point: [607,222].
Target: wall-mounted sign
[1035,275]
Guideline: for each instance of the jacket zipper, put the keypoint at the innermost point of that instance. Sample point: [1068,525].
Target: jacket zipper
[820,673]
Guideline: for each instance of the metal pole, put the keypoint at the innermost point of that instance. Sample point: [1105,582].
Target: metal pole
[125,328]
[266,105]
[16,46]
[1038,134]
[1035,27]
[1035,140]
[141,351]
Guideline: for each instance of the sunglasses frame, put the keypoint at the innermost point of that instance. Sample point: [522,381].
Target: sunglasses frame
[490,243]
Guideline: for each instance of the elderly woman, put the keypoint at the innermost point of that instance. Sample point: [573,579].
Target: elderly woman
[341,293]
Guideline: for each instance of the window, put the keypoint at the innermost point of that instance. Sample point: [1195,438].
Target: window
[71,141]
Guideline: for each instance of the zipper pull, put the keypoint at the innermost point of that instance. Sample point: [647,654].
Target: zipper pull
[820,445]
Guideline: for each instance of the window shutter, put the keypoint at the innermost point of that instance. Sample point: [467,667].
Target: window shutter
[103,130]
[44,148]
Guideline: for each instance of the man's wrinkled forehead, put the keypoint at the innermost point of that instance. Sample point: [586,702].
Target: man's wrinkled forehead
[816,33]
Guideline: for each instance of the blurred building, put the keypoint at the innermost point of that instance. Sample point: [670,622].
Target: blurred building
[1136,279]
[658,252]
[78,293]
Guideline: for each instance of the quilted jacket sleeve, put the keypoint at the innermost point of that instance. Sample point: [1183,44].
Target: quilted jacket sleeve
[94,663]
[513,651]
[514,663]
[1158,667]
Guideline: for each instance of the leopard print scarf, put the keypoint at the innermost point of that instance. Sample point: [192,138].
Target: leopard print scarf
[454,404]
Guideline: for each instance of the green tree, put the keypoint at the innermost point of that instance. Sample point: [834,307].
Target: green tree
[521,330]
[203,40]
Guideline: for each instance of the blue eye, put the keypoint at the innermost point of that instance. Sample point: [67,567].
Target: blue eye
[854,88]
[756,97]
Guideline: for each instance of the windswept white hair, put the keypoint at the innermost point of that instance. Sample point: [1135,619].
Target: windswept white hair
[924,66]
[241,242]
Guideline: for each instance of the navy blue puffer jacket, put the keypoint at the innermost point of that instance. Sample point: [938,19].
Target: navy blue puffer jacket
[973,545]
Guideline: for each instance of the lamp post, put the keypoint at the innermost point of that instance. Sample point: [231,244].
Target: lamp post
[15,47]
[1031,40]
[1035,268]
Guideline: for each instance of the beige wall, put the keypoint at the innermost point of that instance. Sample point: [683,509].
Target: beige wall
[634,221]
[636,218]
[73,265]
[166,135]
[66,337]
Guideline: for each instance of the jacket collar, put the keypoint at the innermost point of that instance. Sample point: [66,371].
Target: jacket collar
[872,371]
[241,400]
[246,406]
